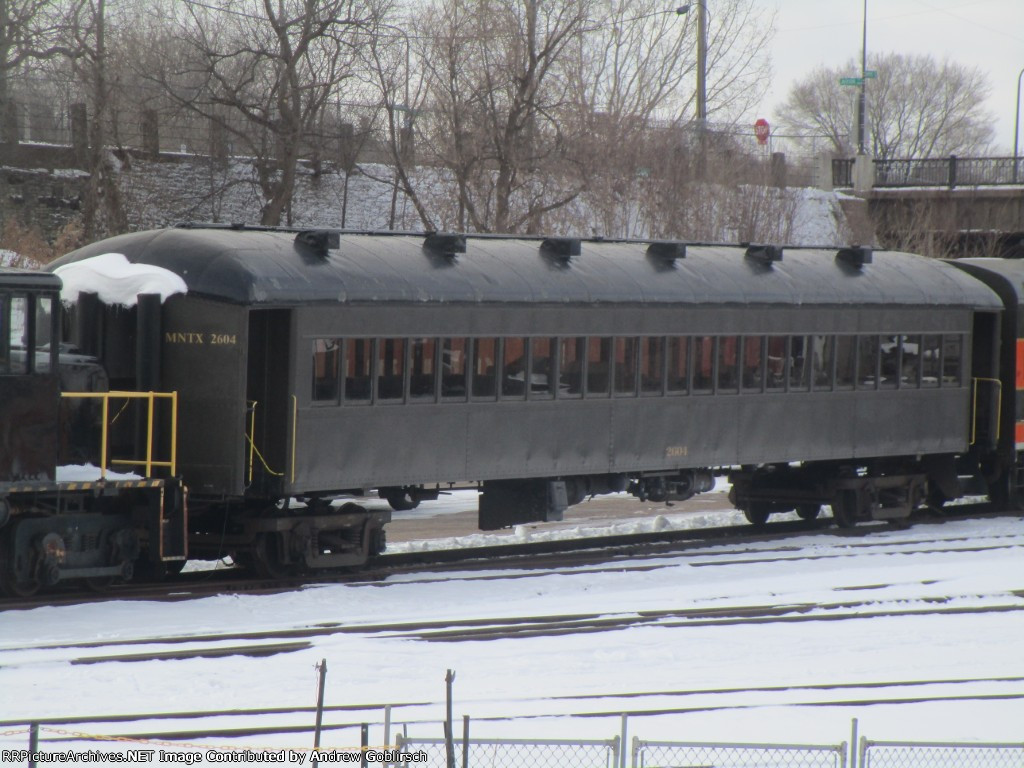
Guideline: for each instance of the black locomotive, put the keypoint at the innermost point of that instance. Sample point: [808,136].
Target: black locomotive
[311,365]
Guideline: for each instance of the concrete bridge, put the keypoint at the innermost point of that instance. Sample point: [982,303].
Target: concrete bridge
[953,206]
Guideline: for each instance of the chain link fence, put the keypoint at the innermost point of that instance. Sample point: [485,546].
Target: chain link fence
[668,754]
[894,754]
[517,753]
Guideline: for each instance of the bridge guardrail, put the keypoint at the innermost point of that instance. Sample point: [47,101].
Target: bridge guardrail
[952,171]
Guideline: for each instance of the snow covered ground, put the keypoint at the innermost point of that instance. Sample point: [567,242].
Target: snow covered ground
[756,642]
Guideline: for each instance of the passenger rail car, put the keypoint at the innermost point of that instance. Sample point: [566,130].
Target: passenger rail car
[313,364]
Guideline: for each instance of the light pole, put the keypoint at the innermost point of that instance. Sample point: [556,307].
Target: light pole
[702,58]
[862,100]
[1016,127]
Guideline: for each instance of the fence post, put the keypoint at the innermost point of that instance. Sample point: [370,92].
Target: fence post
[387,726]
[465,741]
[623,742]
[33,744]
[853,743]
[322,666]
[449,745]
[364,743]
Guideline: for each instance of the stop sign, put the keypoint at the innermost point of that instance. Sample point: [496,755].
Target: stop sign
[762,130]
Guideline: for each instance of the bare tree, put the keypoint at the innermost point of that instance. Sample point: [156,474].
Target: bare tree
[499,103]
[917,107]
[263,71]
[30,31]
[102,206]
[635,81]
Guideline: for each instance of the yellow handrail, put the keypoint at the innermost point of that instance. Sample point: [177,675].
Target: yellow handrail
[974,406]
[149,462]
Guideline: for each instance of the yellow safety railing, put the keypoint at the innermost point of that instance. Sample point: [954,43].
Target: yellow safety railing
[974,405]
[150,397]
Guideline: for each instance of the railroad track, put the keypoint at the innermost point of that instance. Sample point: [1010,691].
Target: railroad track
[534,555]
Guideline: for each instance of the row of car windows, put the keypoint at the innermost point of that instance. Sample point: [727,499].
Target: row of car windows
[15,346]
[364,370]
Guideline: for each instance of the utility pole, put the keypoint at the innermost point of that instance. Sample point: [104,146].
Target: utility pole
[862,101]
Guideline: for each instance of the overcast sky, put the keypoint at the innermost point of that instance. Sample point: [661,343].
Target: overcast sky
[988,34]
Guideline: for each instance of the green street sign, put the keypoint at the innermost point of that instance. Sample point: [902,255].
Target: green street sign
[870,74]
[851,80]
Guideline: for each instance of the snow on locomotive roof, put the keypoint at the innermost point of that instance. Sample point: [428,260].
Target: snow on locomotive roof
[116,280]
[263,266]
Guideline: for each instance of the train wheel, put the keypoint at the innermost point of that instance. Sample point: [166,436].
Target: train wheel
[400,499]
[757,513]
[808,511]
[844,509]
[265,558]
[12,587]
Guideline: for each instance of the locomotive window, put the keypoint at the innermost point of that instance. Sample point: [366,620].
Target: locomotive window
[513,368]
[454,368]
[652,365]
[931,361]
[626,351]
[678,363]
[867,362]
[18,328]
[846,361]
[822,352]
[326,356]
[799,365]
[542,368]
[703,363]
[728,380]
[45,334]
[599,364]
[485,358]
[952,360]
[753,363]
[358,367]
[777,360]
[571,360]
[423,369]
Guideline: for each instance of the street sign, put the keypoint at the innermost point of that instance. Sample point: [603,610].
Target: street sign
[870,74]
[851,80]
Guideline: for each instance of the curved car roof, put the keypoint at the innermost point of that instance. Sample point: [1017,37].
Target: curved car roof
[255,266]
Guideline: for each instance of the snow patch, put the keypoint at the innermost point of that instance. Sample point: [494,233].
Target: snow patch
[87,473]
[116,280]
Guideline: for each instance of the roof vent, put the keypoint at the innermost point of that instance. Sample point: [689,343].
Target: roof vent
[560,248]
[319,240]
[447,244]
[766,254]
[666,250]
[856,256]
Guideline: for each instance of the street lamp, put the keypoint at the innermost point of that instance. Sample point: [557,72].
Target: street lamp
[702,58]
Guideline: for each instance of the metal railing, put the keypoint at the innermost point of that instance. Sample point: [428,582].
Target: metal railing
[948,172]
[655,754]
[908,754]
[149,462]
